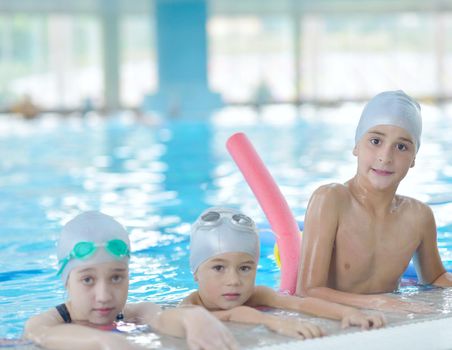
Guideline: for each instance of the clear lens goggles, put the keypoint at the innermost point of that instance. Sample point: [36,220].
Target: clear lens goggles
[214,217]
[83,250]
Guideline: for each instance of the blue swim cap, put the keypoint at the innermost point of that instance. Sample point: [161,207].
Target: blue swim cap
[392,108]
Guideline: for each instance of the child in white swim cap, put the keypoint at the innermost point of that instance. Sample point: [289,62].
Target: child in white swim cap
[93,255]
[222,230]
[91,238]
[359,236]
[224,253]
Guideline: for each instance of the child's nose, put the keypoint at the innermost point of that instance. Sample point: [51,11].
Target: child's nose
[385,155]
[103,292]
[233,277]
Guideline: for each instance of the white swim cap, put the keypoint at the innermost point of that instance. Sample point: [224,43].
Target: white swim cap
[222,230]
[392,108]
[104,240]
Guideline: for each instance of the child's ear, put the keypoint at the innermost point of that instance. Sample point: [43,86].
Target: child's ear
[413,163]
[195,276]
[355,151]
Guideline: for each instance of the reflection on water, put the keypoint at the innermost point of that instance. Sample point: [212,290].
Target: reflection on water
[157,179]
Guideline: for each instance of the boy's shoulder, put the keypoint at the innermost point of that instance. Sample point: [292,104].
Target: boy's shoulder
[332,191]
[191,299]
[414,205]
[261,296]
[411,200]
[330,200]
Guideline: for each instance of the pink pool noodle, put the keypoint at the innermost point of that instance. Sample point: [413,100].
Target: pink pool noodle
[273,204]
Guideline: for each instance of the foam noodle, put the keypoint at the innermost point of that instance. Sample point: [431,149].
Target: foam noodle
[273,204]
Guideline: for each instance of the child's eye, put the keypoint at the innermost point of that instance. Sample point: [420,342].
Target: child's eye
[401,147]
[245,268]
[88,281]
[218,268]
[117,278]
[375,141]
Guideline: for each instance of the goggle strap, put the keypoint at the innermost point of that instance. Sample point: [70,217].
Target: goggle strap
[63,263]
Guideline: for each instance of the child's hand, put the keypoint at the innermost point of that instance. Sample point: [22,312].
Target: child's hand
[295,328]
[357,318]
[206,332]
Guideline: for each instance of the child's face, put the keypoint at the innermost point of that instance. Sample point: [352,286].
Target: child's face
[226,280]
[385,154]
[98,292]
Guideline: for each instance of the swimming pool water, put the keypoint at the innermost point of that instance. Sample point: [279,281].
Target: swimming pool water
[157,178]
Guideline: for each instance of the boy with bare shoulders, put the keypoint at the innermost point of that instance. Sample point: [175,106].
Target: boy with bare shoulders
[360,236]
[224,252]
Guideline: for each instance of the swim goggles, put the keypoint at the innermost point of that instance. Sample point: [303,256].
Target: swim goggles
[83,250]
[213,218]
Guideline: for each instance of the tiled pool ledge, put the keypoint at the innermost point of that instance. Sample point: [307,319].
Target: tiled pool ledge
[432,331]
[428,334]
[419,335]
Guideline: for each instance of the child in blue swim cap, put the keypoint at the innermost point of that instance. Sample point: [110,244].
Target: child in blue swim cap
[93,254]
[224,253]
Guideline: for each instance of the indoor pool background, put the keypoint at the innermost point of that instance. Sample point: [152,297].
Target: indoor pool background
[157,177]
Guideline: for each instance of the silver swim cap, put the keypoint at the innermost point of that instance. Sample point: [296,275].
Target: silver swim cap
[103,240]
[392,108]
[222,230]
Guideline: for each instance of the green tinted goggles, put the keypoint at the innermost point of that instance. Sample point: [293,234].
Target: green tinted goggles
[83,250]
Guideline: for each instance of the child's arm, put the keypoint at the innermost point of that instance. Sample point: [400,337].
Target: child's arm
[48,331]
[286,326]
[197,325]
[368,301]
[427,260]
[349,316]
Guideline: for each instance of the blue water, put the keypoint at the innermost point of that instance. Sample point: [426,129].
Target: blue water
[157,178]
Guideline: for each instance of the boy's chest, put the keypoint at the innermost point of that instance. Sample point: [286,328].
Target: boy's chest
[372,256]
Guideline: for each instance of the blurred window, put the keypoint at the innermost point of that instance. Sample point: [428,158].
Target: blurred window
[138,59]
[251,58]
[256,53]
[54,59]
[346,56]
